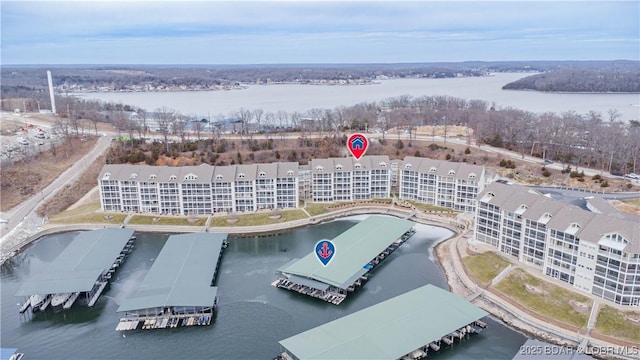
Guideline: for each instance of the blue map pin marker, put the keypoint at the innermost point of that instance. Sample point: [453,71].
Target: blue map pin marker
[325,251]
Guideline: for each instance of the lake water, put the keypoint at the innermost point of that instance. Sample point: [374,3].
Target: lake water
[253,315]
[301,98]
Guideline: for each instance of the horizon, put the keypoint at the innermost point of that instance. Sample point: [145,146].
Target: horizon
[264,33]
[324,64]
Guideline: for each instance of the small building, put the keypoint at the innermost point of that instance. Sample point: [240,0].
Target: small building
[408,326]
[358,251]
[179,288]
[82,270]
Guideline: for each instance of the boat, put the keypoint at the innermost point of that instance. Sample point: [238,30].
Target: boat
[59,299]
[37,300]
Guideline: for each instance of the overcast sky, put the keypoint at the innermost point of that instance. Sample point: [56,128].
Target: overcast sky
[266,32]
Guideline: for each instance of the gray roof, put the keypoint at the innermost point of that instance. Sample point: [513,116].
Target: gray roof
[354,249]
[442,168]
[591,226]
[249,172]
[348,163]
[80,264]
[205,173]
[181,274]
[387,330]
[285,167]
[601,206]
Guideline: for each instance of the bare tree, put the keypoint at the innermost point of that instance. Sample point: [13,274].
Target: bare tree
[165,119]
[257,115]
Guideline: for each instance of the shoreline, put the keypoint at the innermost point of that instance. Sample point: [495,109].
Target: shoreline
[460,283]
[447,254]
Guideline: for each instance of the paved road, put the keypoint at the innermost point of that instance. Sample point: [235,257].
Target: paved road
[16,215]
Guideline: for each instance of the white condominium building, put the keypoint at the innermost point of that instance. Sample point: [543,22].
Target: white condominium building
[596,251]
[206,189]
[203,189]
[347,179]
[454,185]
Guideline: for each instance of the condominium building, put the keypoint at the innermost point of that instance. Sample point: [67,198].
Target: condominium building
[453,185]
[347,179]
[202,189]
[596,251]
[207,189]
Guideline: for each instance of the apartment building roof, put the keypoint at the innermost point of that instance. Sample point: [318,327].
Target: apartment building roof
[442,168]
[349,163]
[586,225]
[204,173]
[224,173]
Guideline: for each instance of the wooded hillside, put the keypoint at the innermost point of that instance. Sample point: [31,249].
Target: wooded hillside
[578,80]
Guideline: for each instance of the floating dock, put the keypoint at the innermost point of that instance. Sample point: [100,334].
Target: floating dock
[84,267]
[358,251]
[179,288]
[408,326]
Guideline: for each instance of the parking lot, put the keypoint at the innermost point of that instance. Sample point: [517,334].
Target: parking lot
[21,138]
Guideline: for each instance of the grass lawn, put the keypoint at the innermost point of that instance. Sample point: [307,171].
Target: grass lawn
[167,220]
[545,298]
[429,207]
[318,208]
[635,202]
[485,267]
[258,219]
[87,217]
[615,323]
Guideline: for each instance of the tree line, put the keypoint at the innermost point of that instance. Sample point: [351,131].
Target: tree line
[578,80]
[592,139]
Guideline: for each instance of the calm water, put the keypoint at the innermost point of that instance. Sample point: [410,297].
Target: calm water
[272,98]
[253,316]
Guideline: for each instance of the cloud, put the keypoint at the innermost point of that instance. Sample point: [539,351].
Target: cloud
[66,29]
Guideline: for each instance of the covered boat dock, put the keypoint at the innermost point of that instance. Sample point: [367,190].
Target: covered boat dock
[408,326]
[82,270]
[358,251]
[179,288]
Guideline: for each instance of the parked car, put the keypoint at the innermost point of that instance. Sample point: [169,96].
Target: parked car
[547,161]
[632,176]
[23,141]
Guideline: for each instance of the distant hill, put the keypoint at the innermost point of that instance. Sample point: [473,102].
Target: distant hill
[581,80]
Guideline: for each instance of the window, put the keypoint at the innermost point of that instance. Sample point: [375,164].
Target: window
[357,166]
[433,169]
[173,177]
[218,177]
[241,176]
[408,166]
[190,177]
[452,172]
[133,176]
[290,173]
[152,177]
[106,176]
[472,176]
[383,164]
[319,168]
[262,174]
[339,167]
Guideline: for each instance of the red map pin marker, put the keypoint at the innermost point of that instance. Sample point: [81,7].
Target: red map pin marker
[357,145]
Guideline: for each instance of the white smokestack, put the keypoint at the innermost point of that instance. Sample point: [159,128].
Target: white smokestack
[53,99]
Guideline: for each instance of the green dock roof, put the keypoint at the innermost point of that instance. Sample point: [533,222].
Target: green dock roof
[388,330]
[354,249]
[181,274]
[80,264]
